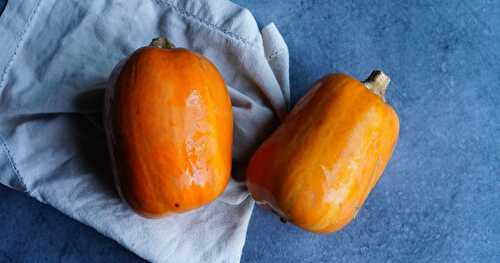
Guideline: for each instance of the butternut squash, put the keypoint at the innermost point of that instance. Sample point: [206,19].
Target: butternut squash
[169,125]
[317,169]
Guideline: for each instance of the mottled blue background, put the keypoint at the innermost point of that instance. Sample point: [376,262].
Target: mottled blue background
[439,199]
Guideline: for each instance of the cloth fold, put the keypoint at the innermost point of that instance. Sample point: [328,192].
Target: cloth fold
[56,58]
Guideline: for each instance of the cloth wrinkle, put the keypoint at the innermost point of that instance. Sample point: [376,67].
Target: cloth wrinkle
[12,163]
[19,43]
[211,26]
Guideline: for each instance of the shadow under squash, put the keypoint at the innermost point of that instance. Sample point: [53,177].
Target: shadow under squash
[91,140]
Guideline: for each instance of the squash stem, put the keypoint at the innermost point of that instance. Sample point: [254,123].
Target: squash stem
[161,42]
[377,83]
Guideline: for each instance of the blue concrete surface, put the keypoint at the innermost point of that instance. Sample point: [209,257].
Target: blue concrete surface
[439,199]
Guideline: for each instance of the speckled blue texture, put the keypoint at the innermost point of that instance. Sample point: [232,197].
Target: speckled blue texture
[439,199]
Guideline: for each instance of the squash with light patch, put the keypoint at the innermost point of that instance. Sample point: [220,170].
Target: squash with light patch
[317,169]
[169,125]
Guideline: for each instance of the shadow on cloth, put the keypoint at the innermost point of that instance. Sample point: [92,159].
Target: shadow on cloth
[92,147]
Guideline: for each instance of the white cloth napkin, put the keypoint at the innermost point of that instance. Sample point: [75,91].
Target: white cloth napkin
[55,58]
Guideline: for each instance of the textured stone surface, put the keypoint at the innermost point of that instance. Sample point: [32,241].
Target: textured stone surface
[439,199]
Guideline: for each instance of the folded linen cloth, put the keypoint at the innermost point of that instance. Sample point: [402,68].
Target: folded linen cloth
[55,60]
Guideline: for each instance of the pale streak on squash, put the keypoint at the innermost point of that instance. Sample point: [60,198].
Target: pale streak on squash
[318,167]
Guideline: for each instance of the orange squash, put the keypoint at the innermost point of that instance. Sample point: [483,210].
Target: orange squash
[318,167]
[168,120]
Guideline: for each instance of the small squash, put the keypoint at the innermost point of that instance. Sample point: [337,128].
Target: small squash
[317,168]
[169,125]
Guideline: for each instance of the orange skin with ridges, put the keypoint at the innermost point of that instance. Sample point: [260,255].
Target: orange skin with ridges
[317,169]
[170,131]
